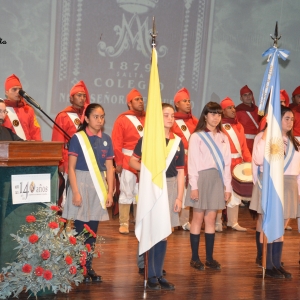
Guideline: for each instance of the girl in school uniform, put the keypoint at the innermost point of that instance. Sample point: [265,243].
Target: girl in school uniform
[89,193]
[209,160]
[274,267]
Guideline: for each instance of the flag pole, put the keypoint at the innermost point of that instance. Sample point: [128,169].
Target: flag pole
[275,38]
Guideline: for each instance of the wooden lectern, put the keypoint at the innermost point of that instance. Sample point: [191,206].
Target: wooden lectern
[18,158]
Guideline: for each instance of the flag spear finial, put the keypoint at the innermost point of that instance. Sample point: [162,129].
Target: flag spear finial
[276,38]
[153,33]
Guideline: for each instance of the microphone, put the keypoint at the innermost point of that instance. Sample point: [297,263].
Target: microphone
[29,99]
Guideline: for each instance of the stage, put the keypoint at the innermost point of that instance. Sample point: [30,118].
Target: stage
[239,278]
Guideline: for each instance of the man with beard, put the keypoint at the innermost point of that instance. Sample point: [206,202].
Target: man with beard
[127,130]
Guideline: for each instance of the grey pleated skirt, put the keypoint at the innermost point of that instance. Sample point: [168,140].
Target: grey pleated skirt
[290,194]
[172,195]
[90,209]
[211,191]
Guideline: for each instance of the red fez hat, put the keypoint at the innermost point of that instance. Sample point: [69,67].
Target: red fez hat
[181,95]
[226,102]
[285,97]
[133,94]
[12,81]
[80,87]
[245,90]
[296,91]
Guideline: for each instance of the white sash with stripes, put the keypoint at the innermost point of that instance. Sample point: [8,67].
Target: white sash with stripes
[181,124]
[173,150]
[136,123]
[215,152]
[234,138]
[290,151]
[252,119]
[73,117]
[13,116]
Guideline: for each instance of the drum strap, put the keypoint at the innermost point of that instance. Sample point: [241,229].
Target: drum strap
[252,119]
[290,151]
[233,137]
[73,117]
[136,123]
[214,150]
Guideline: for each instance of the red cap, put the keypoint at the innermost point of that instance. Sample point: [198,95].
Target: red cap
[80,87]
[12,81]
[296,91]
[285,97]
[133,94]
[245,90]
[181,95]
[226,102]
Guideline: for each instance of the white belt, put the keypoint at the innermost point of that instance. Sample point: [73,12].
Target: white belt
[235,155]
[250,136]
[127,152]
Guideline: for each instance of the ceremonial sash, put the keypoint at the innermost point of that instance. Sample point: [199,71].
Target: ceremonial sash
[137,124]
[93,167]
[75,119]
[15,122]
[290,151]
[252,119]
[234,138]
[214,150]
[171,149]
[181,124]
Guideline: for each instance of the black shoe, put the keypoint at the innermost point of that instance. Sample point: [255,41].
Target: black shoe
[141,270]
[197,265]
[164,272]
[165,285]
[87,279]
[274,273]
[213,265]
[284,272]
[152,285]
[94,277]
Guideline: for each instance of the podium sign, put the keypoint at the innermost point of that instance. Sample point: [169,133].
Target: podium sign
[30,188]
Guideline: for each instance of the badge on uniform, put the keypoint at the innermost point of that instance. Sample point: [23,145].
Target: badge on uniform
[77,121]
[139,128]
[183,127]
[105,143]
[15,123]
[227,127]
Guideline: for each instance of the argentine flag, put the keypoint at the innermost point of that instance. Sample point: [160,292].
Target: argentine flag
[272,185]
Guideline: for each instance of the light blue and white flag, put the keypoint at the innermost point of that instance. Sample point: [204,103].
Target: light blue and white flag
[272,185]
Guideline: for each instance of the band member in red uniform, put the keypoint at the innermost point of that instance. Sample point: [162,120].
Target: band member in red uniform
[239,153]
[184,125]
[20,117]
[247,115]
[127,130]
[295,97]
[69,119]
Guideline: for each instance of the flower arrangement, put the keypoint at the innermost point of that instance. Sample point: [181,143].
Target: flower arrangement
[50,255]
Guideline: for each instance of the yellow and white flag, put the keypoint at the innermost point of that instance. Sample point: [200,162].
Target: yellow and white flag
[153,215]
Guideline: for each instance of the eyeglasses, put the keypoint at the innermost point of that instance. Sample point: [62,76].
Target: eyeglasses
[3,111]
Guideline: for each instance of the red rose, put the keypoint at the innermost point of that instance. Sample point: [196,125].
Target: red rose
[55,208]
[84,270]
[82,261]
[62,220]
[33,238]
[39,271]
[73,270]
[47,275]
[68,260]
[27,268]
[93,234]
[53,225]
[30,219]
[45,254]
[88,247]
[87,227]
[83,254]
[72,240]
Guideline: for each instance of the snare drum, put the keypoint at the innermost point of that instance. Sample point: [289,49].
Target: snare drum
[242,183]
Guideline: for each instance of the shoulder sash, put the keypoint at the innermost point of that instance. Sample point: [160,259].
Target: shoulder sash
[137,124]
[15,122]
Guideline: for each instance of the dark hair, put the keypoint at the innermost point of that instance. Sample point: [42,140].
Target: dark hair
[89,109]
[2,101]
[290,134]
[163,105]
[210,107]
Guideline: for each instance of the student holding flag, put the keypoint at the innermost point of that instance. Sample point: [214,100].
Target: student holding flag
[175,186]
[274,268]
[90,157]
[209,160]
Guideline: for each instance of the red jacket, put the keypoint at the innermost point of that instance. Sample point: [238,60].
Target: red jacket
[125,135]
[27,119]
[65,122]
[296,128]
[239,130]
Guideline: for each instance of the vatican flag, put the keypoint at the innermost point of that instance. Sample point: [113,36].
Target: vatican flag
[153,215]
